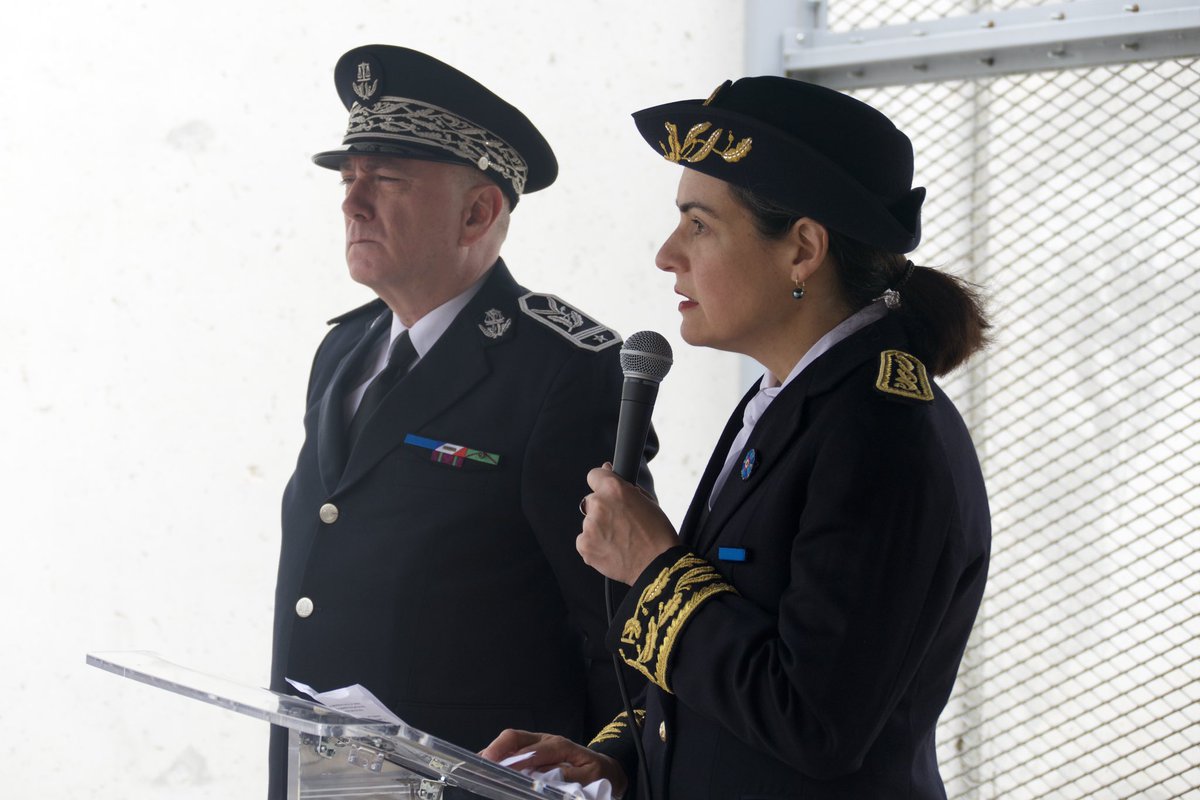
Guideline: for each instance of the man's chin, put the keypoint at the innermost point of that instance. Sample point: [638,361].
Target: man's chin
[365,274]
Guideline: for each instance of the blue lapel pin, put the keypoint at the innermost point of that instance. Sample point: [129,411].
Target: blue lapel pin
[748,464]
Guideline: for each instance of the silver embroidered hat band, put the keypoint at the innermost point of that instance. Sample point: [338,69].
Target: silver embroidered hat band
[403,119]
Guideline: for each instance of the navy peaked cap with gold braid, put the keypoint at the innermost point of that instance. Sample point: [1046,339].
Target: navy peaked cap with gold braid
[814,151]
[406,104]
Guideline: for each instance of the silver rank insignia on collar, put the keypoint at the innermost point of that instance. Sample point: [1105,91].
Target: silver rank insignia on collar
[495,324]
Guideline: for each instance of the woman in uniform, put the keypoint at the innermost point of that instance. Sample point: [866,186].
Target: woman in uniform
[802,631]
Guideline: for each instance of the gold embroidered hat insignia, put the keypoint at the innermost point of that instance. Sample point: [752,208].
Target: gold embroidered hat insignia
[696,148]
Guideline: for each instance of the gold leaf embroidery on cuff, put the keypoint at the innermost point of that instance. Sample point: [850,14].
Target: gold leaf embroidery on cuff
[616,728]
[648,638]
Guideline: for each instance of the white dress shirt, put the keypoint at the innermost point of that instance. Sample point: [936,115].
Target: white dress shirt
[424,335]
[769,386]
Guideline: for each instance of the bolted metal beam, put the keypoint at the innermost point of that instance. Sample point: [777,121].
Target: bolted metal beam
[1062,36]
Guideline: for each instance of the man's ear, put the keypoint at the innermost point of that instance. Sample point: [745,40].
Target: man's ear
[483,205]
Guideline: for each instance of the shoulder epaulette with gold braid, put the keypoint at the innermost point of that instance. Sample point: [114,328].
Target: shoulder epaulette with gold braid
[616,728]
[903,375]
[648,637]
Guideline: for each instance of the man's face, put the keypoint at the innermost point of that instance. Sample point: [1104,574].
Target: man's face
[403,226]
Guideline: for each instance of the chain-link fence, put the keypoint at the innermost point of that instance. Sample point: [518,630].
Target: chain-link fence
[1073,197]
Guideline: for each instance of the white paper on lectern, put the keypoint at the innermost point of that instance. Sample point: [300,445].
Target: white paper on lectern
[596,790]
[355,701]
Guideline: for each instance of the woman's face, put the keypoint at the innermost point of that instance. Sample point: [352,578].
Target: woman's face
[736,285]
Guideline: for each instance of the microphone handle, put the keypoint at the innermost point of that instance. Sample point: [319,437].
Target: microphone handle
[633,426]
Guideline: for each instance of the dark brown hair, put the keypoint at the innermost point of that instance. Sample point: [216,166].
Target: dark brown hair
[942,313]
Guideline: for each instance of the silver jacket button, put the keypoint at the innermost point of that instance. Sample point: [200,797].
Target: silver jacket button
[328,513]
[304,607]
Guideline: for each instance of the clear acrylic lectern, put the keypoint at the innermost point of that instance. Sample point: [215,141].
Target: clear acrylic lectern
[332,755]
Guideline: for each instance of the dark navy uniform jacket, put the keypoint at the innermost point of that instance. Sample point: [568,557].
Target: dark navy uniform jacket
[803,640]
[449,585]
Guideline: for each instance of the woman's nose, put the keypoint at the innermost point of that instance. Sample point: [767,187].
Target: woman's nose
[667,258]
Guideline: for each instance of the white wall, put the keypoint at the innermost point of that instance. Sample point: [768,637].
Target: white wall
[170,255]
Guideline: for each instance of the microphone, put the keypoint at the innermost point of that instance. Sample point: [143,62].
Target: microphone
[645,361]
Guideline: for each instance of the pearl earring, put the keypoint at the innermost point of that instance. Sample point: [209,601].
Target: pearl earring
[798,292]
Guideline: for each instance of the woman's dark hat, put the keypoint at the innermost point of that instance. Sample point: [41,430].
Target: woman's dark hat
[407,104]
[812,150]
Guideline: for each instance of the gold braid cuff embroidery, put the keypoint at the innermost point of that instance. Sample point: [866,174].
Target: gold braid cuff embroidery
[616,728]
[648,637]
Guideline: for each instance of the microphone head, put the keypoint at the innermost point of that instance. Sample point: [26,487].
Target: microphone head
[646,355]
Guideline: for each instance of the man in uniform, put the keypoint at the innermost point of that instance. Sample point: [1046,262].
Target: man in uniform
[429,529]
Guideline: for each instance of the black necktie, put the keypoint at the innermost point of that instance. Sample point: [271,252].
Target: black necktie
[400,357]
